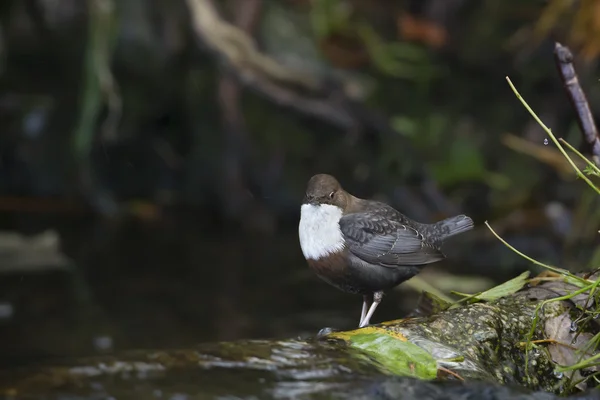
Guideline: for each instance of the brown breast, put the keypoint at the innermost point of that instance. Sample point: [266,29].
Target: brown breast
[352,275]
[334,269]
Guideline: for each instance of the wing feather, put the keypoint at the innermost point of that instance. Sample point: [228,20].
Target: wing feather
[376,239]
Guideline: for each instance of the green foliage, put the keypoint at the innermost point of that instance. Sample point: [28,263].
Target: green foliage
[392,58]
[330,16]
[502,290]
[586,286]
[461,159]
[400,60]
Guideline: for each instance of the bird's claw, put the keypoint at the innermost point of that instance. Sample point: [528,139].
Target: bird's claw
[325,331]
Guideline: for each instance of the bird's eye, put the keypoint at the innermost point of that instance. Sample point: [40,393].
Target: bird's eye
[331,195]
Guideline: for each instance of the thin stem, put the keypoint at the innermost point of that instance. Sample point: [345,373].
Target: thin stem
[549,132]
[583,364]
[584,158]
[561,271]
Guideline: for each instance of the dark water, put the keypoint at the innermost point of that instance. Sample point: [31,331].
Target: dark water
[167,282]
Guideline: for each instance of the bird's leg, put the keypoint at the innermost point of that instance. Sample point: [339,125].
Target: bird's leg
[377,296]
[365,307]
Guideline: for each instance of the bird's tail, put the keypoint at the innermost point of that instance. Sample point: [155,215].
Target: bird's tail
[453,226]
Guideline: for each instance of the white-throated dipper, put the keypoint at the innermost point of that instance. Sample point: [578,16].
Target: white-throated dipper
[365,246]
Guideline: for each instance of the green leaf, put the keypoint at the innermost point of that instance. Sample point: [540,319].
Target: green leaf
[392,352]
[502,290]
[404,125]
[508,287]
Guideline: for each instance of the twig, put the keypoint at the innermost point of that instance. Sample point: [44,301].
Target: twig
[579,173]
[285,86]
[564,62]
[450,372]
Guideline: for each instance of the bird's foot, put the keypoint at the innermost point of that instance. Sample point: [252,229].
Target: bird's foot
[364,321]
[325,331]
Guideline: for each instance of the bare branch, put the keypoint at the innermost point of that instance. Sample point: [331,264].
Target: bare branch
[564,62]
[285,86]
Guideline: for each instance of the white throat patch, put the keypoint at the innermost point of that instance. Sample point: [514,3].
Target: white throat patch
[319,230]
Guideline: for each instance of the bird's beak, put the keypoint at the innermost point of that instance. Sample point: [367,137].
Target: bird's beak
[310,200]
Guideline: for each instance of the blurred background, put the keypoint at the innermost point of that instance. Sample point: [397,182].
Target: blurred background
[154,154]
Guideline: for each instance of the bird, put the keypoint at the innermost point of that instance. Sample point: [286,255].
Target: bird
[364,246]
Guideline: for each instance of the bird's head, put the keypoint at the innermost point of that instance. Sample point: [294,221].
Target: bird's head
[325,189]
